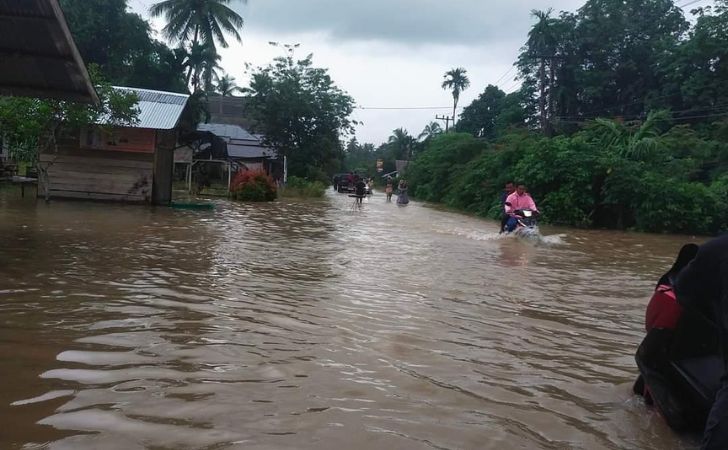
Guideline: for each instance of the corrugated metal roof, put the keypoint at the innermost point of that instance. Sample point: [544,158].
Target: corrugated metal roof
[250,149]
[226,131]
[158,110]
[39,57]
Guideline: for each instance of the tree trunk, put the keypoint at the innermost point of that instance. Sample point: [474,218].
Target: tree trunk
[542,98]
[195,42]
[552,86]
[454,108]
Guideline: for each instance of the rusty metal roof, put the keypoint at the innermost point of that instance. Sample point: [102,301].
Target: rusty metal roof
[39,57]
[158,110]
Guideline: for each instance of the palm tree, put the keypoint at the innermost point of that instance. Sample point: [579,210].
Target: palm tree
[201,63]
[198,21]
[226,86]
[401,143]
[635,141]
[431,130]
[542,45]
[457,81]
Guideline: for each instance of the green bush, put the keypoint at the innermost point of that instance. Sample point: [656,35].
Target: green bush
[582,180]
[301,187]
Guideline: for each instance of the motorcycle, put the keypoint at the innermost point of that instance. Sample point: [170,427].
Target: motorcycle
[527,222]
[680,371]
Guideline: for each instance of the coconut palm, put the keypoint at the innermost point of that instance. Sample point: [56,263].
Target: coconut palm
[431,130]
[226,86]
[457,81]
[198,21]
[401,143]
[637,141]
[201,63]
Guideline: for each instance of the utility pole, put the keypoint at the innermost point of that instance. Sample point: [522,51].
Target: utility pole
[447,120]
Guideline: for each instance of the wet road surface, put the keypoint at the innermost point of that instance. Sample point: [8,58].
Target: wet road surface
[304,324]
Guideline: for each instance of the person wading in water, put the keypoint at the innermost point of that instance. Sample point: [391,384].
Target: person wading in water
[389,189]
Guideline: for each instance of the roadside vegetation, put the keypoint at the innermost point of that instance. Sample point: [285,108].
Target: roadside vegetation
[297,187]
[619,119]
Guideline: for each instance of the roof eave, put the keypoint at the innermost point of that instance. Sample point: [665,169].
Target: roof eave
[91,91]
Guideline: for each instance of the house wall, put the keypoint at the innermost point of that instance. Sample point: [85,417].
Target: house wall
[91,173]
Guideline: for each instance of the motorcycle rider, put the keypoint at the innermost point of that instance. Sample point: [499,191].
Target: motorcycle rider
[703,287]
[508,189]
[518,200]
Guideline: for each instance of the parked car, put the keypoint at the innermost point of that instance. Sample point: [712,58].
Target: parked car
[344,185]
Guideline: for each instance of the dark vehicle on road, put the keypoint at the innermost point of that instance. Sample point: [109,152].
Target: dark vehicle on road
[342,183]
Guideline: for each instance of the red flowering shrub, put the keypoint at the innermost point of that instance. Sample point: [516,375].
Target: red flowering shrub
[253,186]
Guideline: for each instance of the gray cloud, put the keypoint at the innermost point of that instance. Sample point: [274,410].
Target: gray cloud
[414,22]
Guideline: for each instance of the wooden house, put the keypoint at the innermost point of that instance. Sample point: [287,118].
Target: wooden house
[131,164]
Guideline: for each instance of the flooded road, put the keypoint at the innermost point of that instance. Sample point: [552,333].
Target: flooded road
[305,325]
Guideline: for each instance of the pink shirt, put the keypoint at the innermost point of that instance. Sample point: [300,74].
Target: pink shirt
[520,202]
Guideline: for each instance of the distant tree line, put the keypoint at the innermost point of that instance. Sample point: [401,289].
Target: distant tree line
[620,121]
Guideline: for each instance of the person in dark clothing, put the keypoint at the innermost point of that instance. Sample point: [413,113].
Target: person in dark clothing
[509,188]
[663,310]
[687,254]
[360,190]
[703,287]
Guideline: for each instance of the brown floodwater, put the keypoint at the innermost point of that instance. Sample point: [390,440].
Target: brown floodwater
[306,325]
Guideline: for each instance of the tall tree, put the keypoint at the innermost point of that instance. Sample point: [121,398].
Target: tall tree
[302,114]
[542,47]
[126,52]
[697,75]
[480,117]
[623,47]
[198,21]
[201,63]
[457,81]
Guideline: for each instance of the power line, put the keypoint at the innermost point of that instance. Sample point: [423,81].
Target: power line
[692,2]
[405,107]
[576,120]
[505,75]
[512,89]
[718,107]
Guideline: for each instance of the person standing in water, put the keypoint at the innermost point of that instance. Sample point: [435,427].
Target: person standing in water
[703,287]
[360,190]
[389,189]
[402,198]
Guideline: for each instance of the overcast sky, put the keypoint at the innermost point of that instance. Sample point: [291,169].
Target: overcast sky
[390,53]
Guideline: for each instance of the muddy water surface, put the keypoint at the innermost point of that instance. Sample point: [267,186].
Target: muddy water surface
[305,325]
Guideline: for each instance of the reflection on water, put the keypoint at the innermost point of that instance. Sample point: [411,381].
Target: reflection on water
[308,325]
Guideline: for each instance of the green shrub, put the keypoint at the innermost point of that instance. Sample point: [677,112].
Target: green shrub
[678,186]
[301,187]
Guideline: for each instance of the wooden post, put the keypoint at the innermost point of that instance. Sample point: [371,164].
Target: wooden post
[163,167]
[189,178]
